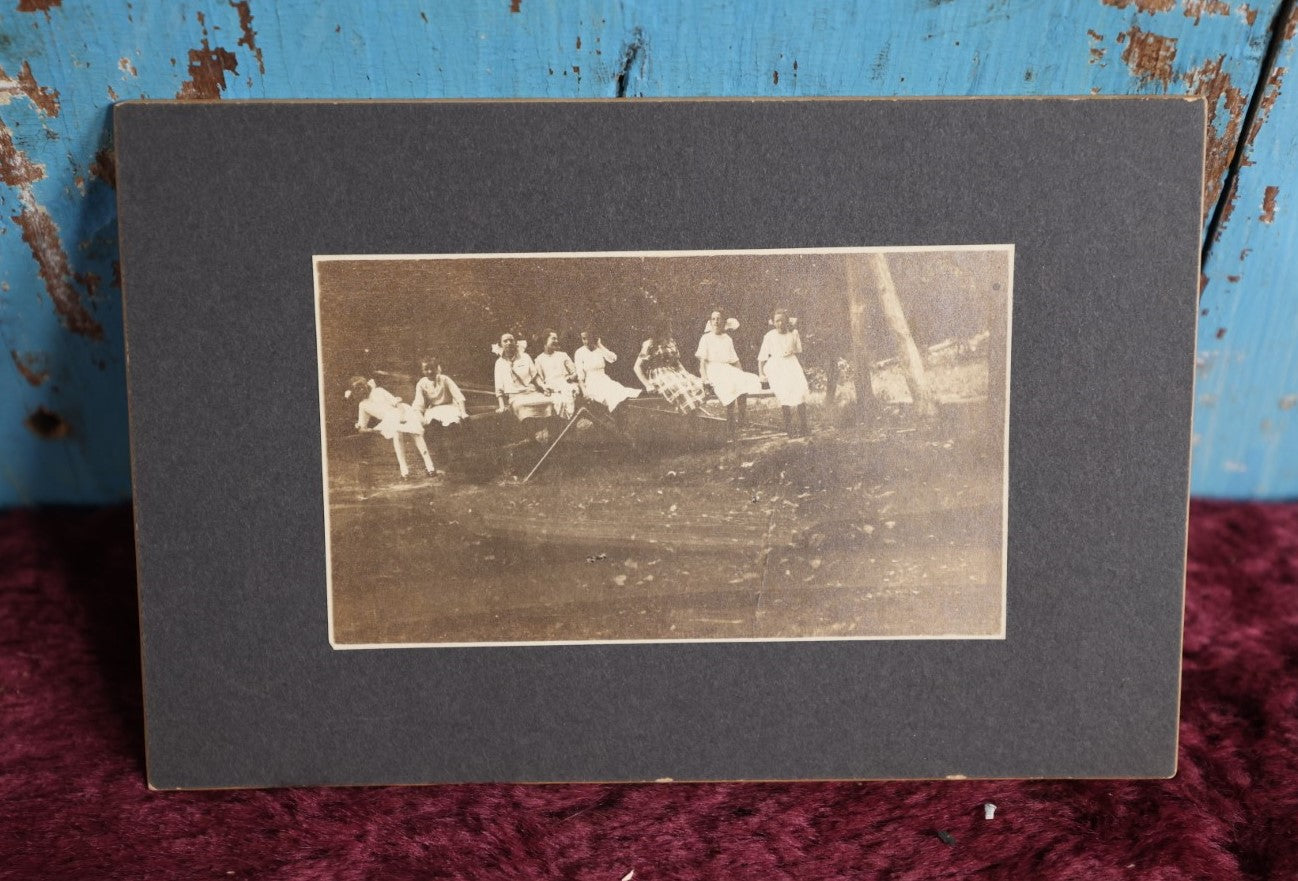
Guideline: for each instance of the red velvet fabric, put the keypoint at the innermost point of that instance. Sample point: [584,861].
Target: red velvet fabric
[73,802]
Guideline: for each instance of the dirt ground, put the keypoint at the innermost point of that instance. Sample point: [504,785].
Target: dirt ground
[891,528]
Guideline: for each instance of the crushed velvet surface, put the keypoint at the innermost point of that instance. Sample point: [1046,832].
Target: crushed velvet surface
[74,803]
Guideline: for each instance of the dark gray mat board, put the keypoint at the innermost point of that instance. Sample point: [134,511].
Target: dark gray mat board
[222,207]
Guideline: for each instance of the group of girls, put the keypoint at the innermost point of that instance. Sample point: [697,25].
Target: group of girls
[437,399]
[548,385]
[660,369]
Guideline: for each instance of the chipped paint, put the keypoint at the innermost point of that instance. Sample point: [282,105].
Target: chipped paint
[47,425]
[89,281]
[16,170]
[1149,56]
[46,100]
[1197,9]
[249,38]
[1270,93]
[42,236]
[43,99]
[92,53]
[207,69]
[1211,81]
[104,166]
[1096,51]
[1268,205]
[31,365]
[1147,6]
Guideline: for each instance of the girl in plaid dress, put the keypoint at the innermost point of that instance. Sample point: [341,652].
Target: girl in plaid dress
[659,368]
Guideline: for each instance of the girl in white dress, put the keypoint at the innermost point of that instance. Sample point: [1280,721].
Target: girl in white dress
[719,367]
[592,358]
[558,375]
[437,397]
[518,385]
[393,418]
[779,365]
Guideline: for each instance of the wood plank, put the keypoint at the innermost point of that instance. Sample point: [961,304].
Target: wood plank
[62,410]
[1246,412]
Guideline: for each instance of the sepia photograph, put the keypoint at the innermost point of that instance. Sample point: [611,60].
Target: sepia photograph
[665,446]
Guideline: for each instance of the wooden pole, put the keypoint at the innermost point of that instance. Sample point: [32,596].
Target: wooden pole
[911,361]
[571,422]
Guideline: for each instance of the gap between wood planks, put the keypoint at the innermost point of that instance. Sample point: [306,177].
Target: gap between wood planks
[1278,38]
[630,55]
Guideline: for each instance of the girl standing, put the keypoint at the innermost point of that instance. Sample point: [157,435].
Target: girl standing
[778,363]
[393,419]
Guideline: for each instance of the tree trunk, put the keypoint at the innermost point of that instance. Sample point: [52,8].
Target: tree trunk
[911,362]
[997,361]
[858,305]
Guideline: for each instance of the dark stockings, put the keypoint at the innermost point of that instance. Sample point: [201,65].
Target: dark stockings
[742,401]
[802,420]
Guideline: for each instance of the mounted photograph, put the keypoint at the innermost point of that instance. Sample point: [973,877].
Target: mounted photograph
[665,446]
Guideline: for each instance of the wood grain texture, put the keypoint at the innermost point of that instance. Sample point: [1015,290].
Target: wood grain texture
[62,406]
[1246,423]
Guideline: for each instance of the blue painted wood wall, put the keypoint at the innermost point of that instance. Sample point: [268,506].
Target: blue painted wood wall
[62,410]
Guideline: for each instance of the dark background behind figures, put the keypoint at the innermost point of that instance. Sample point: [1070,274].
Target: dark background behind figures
[381,315]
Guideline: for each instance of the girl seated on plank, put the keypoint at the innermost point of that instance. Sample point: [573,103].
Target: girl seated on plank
[558,375]
[518,385]
[719,367]
[592,359]
[659,369]
[437,397]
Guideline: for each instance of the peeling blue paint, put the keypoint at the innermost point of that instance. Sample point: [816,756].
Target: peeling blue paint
[93,53]
[1247,421]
